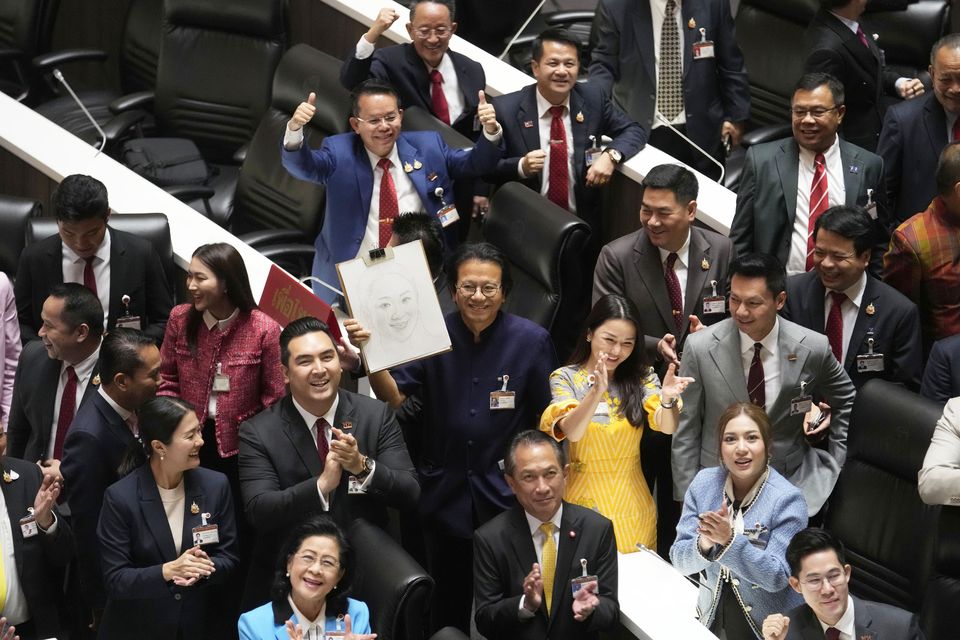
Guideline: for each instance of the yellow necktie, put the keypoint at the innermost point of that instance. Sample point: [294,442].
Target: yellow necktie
[549,562]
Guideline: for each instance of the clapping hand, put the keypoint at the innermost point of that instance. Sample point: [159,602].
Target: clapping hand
[192,565]
[585,600]
[715,527]
[10,632]
[775,627]
[43,503]
[533,589]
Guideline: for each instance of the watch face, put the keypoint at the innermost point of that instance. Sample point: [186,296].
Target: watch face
[368,464]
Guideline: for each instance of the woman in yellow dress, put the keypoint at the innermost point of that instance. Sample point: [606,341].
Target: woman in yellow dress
[601,403]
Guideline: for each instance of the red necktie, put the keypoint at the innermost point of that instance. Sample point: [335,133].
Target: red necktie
[832,633]
[89,281]
[755,380]
[558,190]
[673,288]
[133,424]
[834,328]
[68,408]
[323,447]
[956,130]
[819,202]
[863,37]
[389,207]
[438,101]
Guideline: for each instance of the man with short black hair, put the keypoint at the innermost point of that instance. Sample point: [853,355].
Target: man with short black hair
[787,184]
[873,329]
[410,227]
[820,573]
[525,558]
[55,375]
[756,356]
[99,436]
[113,264]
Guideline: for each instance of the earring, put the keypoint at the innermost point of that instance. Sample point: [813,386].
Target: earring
[161,457]
[288,574]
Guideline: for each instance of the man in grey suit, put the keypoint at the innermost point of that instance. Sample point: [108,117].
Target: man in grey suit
[782,188]
[788,370]
[673,269]
[820,573]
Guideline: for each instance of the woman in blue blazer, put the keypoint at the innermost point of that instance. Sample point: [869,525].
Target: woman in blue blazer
[737,521]
[167,533]
[310,588]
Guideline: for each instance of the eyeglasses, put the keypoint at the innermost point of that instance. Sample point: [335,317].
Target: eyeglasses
[425,32]
[469,289]
[326,562]
[835,578]
[817,113]
[819,254]
[390,118]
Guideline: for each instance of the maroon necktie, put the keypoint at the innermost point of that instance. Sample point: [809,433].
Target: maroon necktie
[819,202]
[863,37]
[68,408]
[755,381]
[834,328]
[956,130]
[323,447]
[438,101]
[832,633]
[89,281]
[558,190]
[389,207]
[673,288]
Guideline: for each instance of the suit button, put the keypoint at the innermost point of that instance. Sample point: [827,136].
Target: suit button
[653,96]
[473,412]
[469,443]
[748,608]
[177,596]
[476,381]
[736,582]
[469,473]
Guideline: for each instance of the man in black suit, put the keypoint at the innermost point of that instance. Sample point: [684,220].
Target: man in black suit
[99,436]
[319,448]
[703,93]
[33,567]
[836,44]
[871,318]
[55,375]
[820,573]
[642,267]
[525,558]
[916,131]
[787,183]
[111,263]
[941,374]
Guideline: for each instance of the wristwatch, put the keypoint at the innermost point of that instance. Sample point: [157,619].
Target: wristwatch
[615,155]
[367,464]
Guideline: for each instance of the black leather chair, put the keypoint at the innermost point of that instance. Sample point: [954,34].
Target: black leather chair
[449,633]
[907,34]
[543,244]
[152,227]
[940,617]
[26,28]
[875,508]
[391,583]
[14,214]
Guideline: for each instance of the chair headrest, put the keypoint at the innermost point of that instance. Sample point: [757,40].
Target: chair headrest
[258,18]
[304,69]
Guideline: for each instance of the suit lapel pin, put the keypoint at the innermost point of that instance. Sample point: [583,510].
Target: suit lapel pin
[417,165]
[704,264]
[407,167]
[528,124]
[791,357]
[854,168]
[692,24]
[194,509]
[572,534]
[876,37]
[870,310]
[7,477]
[432,177]
[579,116]
[346,425]
[96,380]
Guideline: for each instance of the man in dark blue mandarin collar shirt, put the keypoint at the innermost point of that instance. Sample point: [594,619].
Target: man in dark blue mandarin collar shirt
[498,360]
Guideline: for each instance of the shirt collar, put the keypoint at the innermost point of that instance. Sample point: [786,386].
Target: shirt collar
[375,159]
[309,419]
[123,413]
[102,254]
[683,254]
[305,624]
[543,105]
[468,334]
[751,494]
[769,341]
[853,25]
[807,156]
[212,322]
[534,523]
[854,292]
[84,368]
[445,67]
[845,623]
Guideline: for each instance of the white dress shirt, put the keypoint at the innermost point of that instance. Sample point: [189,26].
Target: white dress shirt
[123,413]
[845,624]
[849,311]
[658,10]
[681,267]
[544,121]
[310,421]
[83,369]
[538,539]
[769,358]
[836,194]
[407,198]
[220,325]
[73,266]
[450,86]
[311,629]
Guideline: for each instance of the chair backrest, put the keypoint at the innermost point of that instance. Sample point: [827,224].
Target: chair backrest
[875,509]
[26,27]
[215,70]
[449,633]
[268,197]
[140,46]
[771,37]
[907,35]
[940,617]
[419,119]
[543,244]
[152,227]
[391,583]
[14,214]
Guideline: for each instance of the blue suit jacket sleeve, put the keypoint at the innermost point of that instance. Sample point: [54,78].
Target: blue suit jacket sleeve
[938,375]
[309,164]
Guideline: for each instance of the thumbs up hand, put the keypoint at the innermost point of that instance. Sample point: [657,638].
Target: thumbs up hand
[487,115]
[304,113]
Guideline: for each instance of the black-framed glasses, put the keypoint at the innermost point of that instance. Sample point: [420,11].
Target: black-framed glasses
[469,289]
[390,118]
[816,112]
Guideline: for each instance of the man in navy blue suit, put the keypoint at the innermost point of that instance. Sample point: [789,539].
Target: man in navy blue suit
[690,71]
[376,172]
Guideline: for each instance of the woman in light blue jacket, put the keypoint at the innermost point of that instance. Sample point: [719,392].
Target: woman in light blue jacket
[309,595]
[737,521]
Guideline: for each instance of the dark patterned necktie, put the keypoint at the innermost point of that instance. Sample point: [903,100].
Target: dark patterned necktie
[669,91]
